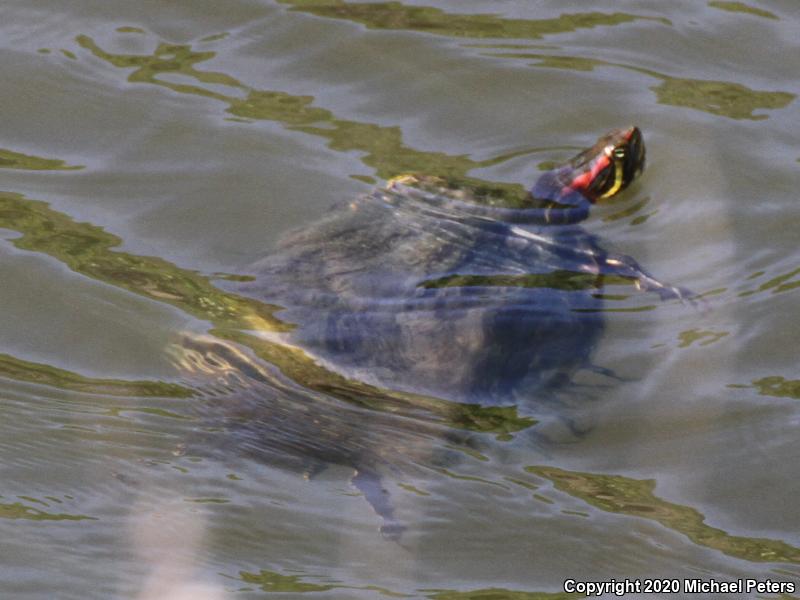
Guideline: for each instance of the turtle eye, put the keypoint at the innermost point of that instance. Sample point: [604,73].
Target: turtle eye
[619,152]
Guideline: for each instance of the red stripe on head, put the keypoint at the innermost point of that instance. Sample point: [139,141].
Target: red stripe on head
[584,180]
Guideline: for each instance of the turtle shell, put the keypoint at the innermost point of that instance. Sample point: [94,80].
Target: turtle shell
[406,290]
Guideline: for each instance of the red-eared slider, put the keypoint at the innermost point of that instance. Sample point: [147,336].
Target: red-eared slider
[416,287]
[421,290]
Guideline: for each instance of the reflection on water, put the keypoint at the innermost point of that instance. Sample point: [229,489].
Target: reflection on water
[778,387]
[632,210]
[775,386]
[705,338]
[499,594]
[173,573]
[383,147]
[18,510]
[741,7]
[776,285]
[635,497]
[88,250]
[16,160]
[23,370]
[396,15]
[296,364]
[717,97]
[84,453]
[270,581]
[129,29]
[558,279]
[723,98]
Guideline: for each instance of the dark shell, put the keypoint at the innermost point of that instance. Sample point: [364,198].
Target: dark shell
[407,293]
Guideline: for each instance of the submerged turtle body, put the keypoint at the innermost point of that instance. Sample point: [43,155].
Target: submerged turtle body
[406,296]
[415,291]
[414,287]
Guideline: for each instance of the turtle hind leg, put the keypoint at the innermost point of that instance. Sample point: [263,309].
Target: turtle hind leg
[370,484]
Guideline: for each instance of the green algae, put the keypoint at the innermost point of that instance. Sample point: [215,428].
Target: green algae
[398,16]
[502,421]
[20,511]
[703,337]
[775,386]
[42,374]
[741,7]
[636,498]
[273,582]
[380,147]
[27,162]
[499,594]
[722,98]
[558,279]
[269,581]
[89,250]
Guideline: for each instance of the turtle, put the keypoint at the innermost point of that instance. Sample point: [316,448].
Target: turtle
[425,292]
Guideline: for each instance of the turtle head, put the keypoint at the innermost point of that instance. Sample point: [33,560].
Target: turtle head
[608,167]
[599,172]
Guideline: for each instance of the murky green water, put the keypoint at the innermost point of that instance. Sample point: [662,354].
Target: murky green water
[151,153]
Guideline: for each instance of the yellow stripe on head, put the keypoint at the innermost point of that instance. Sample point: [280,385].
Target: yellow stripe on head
[618,177]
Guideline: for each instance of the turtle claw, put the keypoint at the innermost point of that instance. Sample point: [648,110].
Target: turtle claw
[672,292]
[685,295]
[647,283]
[628,268]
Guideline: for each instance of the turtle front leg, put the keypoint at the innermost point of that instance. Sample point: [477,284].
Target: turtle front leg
[628,268]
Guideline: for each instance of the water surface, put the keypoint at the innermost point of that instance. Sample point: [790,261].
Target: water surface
[152,153]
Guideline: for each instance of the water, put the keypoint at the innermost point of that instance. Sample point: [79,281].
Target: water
[150,150]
